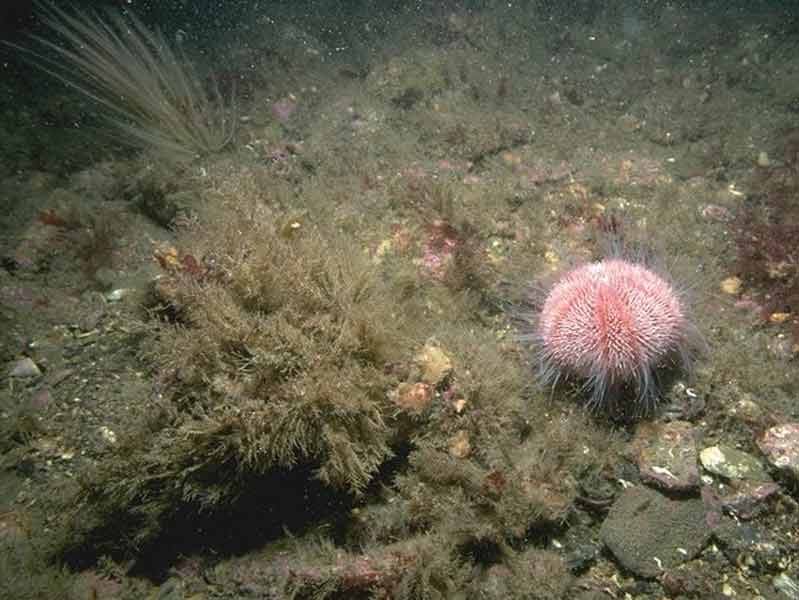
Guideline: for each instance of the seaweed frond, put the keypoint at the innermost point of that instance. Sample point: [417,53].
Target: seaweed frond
[149,93]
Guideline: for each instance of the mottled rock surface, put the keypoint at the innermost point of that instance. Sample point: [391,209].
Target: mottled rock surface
[648,532]
[733,464]
[780,446]
[667,457]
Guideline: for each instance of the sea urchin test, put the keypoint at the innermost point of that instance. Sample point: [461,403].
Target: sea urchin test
[612,324]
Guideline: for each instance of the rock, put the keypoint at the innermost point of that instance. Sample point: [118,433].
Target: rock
[118,294]
[434,363]
[732,464]
[780,446]
[413,397]
[580,548]
[748,498]
[12,527]
[687,581]
[41,399]
[667,456]
[165,208]
[648,532]
[597,493]
[787,586]
[94,309]
[591,595]
[101,586]
[54,378]
[685,405]
[24,367]
[713,507]
[746,545]
[747,411]
[172,589]
[105,278]
[459,444]
[732,285]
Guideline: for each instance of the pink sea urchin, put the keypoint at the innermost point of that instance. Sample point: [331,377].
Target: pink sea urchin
[612,324]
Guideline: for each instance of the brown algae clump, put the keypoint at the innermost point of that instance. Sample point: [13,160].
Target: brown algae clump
[272,354]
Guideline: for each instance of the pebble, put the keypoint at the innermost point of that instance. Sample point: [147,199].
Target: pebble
[780,446]
[732,464]
[746,545]
[94,309]
[118,294]
[716,213]
[687,581]
[108,435]
[732,286]
[24,367]
[747,411]
[580,548]
[686,404]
